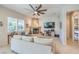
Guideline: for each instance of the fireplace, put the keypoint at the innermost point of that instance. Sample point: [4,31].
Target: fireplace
[35,30]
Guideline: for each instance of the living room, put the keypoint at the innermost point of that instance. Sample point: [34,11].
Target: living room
[19,20]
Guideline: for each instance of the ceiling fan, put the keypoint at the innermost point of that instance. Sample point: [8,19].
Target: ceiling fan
[37,10]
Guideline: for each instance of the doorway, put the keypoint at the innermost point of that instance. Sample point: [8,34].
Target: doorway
[73,28]
[69,28]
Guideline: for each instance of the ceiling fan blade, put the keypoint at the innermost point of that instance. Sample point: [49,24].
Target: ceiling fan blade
[42,10]
[42,13]
[31,7]
[33,14]
[38,14]
[39,7]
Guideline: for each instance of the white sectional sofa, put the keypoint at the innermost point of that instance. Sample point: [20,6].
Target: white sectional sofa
[24,45]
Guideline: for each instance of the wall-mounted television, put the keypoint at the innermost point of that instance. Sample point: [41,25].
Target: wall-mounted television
[49,25]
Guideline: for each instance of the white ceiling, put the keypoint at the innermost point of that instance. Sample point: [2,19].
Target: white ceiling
[52,9]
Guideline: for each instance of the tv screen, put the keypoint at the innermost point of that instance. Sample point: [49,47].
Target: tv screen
[49,25]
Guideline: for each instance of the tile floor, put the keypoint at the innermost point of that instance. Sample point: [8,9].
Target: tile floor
[5,50]
[67,49]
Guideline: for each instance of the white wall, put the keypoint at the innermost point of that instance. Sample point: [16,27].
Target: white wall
[28,21]
[4,13]
[51,19]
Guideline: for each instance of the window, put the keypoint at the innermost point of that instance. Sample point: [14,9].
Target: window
[20,25]
[15,25]
[12,24]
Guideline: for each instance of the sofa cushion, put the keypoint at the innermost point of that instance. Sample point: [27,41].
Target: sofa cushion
[17,36]
[28,38]
[43,41]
